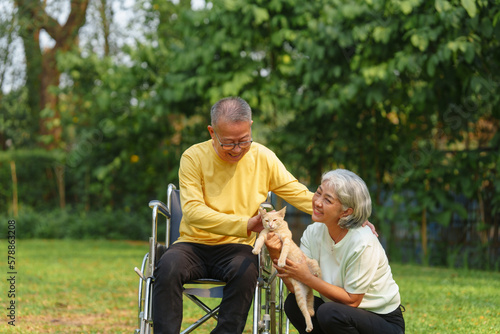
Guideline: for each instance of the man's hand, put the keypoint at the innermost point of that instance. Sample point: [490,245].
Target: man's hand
[255,224]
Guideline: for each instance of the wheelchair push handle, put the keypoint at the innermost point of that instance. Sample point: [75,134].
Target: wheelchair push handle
[138,272]
[161,207]
[267,206]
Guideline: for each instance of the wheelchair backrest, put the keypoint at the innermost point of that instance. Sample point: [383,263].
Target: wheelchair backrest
[174,204]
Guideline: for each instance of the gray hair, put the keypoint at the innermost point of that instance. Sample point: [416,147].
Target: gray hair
[232,109]
[352,192]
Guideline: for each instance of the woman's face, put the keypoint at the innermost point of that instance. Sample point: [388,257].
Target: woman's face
[327,208]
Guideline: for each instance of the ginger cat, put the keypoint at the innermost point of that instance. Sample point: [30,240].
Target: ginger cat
[274,222]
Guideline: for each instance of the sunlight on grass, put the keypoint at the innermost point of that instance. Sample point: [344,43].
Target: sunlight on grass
[66,286]
[76,286]
[449,301]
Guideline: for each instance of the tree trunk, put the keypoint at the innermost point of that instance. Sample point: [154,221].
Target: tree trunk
[50,122]
[42,72]
[13,173]
[106,15]
[59,170]
[423,232]
[30,34]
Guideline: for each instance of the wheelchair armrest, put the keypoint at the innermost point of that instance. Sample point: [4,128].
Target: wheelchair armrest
[161,207]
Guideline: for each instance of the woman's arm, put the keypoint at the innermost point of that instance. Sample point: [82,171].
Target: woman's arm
[273,245]
[300,272]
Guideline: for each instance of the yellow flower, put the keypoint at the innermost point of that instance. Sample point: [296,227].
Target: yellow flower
[134,158]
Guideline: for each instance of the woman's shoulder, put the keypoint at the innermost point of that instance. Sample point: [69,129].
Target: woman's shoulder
[313,239]
[316,228]
[315,231]
[362,236]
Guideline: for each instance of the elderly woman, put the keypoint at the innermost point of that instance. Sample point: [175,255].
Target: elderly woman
[358,292]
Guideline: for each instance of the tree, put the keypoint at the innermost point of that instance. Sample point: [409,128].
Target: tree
[400,93]
[42,72]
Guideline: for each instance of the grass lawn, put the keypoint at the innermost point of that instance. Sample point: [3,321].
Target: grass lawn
[65,286]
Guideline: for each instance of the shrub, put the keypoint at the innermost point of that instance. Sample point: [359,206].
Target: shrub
[72,224]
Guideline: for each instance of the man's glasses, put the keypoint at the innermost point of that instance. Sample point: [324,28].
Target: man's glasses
[229,147]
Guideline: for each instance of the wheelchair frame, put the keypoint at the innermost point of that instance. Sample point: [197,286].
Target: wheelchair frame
[268,311]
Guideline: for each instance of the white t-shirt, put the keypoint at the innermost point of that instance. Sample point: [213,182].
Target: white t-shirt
[357,263]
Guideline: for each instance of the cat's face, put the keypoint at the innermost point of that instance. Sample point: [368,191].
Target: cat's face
[272,220]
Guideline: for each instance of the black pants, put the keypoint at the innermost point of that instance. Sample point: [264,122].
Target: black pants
[182,262]
[336,318]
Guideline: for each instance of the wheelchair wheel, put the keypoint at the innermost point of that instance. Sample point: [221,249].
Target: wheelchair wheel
[145,297]
[269,311]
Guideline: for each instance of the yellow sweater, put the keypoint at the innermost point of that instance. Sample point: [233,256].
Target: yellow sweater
[218,197]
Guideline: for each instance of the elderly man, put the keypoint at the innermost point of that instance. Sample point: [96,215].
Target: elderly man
[222,182]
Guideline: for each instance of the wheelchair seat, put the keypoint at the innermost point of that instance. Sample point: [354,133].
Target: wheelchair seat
[267,292]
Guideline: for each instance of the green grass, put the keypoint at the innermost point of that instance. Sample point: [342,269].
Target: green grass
[74,286]
[446,301]
[65,286]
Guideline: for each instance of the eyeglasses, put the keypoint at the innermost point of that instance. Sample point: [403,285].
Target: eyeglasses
[229,147]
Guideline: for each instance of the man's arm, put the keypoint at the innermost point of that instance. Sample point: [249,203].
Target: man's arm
[196,212]
[286,186]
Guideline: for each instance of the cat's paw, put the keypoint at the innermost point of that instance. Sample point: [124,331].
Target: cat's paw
[255,251]
[309,325]
[281,263]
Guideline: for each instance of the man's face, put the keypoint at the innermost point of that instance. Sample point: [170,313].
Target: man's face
[231,133]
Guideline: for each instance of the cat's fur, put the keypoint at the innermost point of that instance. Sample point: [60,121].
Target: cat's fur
[274,222]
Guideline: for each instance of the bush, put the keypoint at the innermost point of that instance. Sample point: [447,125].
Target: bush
[71,224]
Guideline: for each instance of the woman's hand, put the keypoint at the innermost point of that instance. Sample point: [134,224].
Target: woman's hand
[296,270]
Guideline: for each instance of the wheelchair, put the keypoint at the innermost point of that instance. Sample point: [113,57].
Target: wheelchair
[268,302]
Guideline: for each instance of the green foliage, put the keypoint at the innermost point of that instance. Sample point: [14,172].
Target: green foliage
[36,178]
[404,93]
[75,224]
[16,128]
[121,147]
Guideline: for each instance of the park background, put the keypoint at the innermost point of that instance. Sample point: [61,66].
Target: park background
[99,98]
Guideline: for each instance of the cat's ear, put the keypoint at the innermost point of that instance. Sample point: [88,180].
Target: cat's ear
[282,212]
